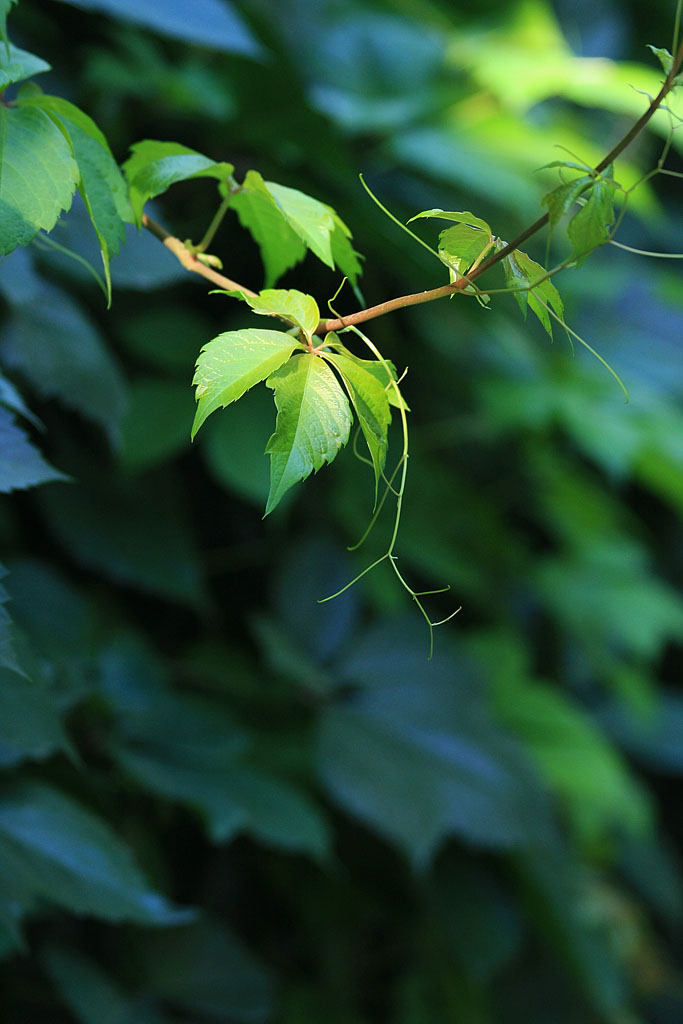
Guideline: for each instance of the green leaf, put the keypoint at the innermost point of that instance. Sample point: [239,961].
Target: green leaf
[53,848]
[199,760]
[460,218]
[313,422]
[38,175]
[461,245]
[310,219]
[285,222]
[564,196]
[376,368]
[5,6]
[343,253]
[299,309]
[371,403]
[520,273]
[101,183]
[663,56]
[281,248]
[155,166]
[580,765]
[21,465]
[16,65]
[589,228]
[235,361]
[10,397]
[233,799]
[29,724]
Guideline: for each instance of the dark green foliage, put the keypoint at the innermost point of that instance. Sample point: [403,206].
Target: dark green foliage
[222,800]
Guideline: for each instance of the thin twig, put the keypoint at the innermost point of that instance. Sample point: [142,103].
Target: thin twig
[190,261]
[437,293]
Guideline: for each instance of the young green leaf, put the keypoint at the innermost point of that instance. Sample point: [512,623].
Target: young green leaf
[16,65]
[459,218]
[343,253]
[101,183]
[564,196]
[39,175]
[461,245]
[300,309]
[371,402]
[663,56]
[155,166]
[377,369]
[235,361]
[313,422]
[281,248]
[589,228]
[521,273]
[310,219]
[285,222]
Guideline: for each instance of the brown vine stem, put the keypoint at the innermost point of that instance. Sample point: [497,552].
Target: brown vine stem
[190,261]
[449,289]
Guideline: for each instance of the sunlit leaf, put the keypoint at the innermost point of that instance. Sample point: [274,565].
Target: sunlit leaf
[370,401]
[663,56]
[589,227]
[39,175]
[521,274]
[300,309]
[564,196]
[461,245]
[459,218]
[155,166]
[235,361]
[101,182]
[313,422]
[281,247]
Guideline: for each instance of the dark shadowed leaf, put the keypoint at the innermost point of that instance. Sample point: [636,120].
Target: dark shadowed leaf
[207,22]
[419,758]
[21,465]
[53,848]
[204,969]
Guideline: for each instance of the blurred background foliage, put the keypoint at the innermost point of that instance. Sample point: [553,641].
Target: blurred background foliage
[224,802]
